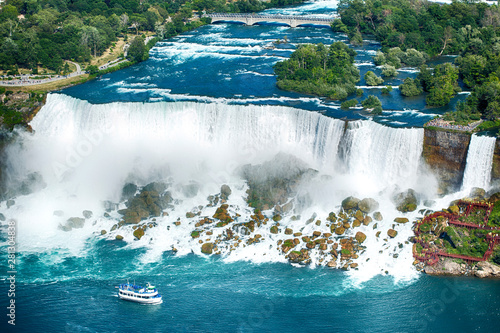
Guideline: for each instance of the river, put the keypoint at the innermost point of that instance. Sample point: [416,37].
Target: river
[203,107]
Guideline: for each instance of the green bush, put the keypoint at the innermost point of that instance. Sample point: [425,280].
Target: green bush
[386,90]
[410,87]
[371,102]
[372,79]
[349,103]
[389,71]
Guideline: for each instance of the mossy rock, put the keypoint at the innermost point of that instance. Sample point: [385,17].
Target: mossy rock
[103,232]
[359,215]
[277,218]
[356,223]
[119,237]
[207,248]
[138,233]
[378,216]
[190,215]
[360,237]
[392,233]
[195,234]
[401,220]
[454,210]
[340,231]
[350,203]
[288,231]
[274,229]
[331,217]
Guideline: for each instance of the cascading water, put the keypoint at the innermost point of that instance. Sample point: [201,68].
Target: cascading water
[85,153]
[479,162]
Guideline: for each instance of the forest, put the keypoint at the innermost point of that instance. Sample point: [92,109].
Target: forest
[412,32]
[43,33]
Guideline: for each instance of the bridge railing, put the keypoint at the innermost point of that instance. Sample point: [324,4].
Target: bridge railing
[269,16]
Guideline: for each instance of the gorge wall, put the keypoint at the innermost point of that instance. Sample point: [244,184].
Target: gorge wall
[446,154]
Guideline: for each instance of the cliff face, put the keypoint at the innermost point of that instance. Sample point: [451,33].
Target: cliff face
[446,155]
[495,170]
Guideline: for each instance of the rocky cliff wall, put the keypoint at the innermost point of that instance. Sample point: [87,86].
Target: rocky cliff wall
[446,155]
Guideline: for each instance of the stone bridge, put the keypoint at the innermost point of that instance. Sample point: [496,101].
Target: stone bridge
[251,19]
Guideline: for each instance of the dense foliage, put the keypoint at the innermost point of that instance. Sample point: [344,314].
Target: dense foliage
[319,70]
[46,32]
[411,31]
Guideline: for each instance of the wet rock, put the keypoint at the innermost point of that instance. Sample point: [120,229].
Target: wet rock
[287,207]
[207,248]
[401,220]
[367,220]
[225,192]
[72,223]
[406,201]
[477,193]
[87,214]
[274,229]
[157,187]
[195,234]
[190,215]
[128,191]
[10,203]
[58,213]
[114,227]
[359,215]
[288,231]
[378,233]
[107,215]
[368,205]
[340,231]
[392,233]
[360,237]
[356,223]
[103,232]
[487,269]
[378,216]
[350,203]
[119,237]
[277,218]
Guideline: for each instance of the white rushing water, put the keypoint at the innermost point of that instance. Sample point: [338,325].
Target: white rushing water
[479,162]
[85,153]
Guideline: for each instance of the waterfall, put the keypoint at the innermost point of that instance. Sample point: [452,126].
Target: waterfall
[479,162]
[389,155]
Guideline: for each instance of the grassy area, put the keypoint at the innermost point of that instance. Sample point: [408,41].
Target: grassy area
[110,54]
[51,86]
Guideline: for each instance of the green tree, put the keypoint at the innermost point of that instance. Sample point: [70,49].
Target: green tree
[410,87]
[371,102]
[372,79]
[137,49]
[389,71]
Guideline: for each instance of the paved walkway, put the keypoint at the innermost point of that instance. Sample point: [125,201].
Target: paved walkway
[27,80]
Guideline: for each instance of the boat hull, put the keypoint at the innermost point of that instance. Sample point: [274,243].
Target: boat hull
[153,300]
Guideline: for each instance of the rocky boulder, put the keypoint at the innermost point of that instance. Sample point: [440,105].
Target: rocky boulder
[477,193]
[350,203]
[378,216]
[207,248]
[368,205]
[392,233]
[406,201]
[128,191]
[360,237]
[2,217]
[138,233]
[487,269]
[225,192]
[72,223]
[401,220]
[87,214]
[119,237]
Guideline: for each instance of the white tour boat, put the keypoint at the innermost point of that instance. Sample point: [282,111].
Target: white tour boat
[144,295]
